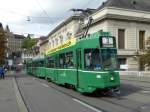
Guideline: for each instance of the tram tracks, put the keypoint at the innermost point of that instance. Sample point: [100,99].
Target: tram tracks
[98,109]
[118,104]
[23,107]
[95,98]
[76,99]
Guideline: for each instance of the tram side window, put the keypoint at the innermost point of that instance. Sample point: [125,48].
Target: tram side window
[42,64]
[51,63]
[38,64]
[69,60]
[34,65]
[66,60]
[92,59]
[62,60]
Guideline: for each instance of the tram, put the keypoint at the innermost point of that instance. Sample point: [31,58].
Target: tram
[87,65]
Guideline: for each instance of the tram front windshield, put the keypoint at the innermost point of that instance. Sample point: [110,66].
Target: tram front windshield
[109,59]
[92,59]
[100,59]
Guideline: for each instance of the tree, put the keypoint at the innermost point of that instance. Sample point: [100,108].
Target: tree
[28,42]
[3,46]
[145,57]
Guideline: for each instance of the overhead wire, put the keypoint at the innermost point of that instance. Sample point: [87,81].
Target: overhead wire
[20,14]
[44,11]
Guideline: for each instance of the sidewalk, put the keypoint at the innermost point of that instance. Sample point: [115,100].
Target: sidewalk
[8,102]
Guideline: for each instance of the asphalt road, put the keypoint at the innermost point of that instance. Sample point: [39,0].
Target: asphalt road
[43,96]
[39,97]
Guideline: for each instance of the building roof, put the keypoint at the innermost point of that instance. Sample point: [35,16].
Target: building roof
[142,5]
[44,42]
[17,36]
[44,39]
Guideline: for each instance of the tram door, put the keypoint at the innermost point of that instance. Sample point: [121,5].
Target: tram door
[79,65]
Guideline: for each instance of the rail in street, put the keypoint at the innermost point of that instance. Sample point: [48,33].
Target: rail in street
[39,95]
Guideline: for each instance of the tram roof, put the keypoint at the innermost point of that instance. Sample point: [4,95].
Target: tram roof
[83,42]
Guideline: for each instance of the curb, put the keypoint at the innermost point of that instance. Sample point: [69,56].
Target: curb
[21,104]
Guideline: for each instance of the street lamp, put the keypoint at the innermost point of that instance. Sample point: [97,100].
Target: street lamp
[28,18]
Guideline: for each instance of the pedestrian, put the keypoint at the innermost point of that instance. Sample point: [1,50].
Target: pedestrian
[2,72]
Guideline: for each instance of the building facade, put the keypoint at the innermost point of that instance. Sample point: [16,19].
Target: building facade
[14,45]
[44,46]
[65,31]
[129,22]
[14,41]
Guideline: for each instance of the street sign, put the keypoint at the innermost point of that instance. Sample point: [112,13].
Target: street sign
[10,62]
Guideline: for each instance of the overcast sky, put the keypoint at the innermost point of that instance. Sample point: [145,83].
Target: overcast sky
[44,15]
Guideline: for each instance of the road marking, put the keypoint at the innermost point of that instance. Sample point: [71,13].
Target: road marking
[45,85]
[144,107]
[86,105]
[34,78]
[146,91]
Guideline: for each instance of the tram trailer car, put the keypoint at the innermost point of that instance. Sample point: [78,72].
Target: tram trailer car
[88,65]
[37,68]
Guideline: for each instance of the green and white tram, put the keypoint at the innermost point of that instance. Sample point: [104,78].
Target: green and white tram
[88,65]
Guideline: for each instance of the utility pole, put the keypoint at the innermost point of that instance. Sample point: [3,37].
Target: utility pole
[86,13]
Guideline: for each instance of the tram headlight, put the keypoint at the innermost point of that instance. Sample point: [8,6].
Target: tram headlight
[98,76]
[112,78]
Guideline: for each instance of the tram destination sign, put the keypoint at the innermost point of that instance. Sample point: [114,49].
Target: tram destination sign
[107,42]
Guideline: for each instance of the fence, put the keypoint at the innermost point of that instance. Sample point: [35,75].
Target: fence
[135,75]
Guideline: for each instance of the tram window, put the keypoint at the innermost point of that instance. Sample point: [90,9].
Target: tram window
[69,60]
[109,58]
[51,62]
[41,63]
[66,60]
[92,59]
[62,60]
[56,62]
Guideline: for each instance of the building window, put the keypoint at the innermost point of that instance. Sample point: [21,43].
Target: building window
[61,39]
[141,39]
[69,35]
[121,62]
[121,38]
[141,65]
[50,44]
[56,42]
[53,43]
